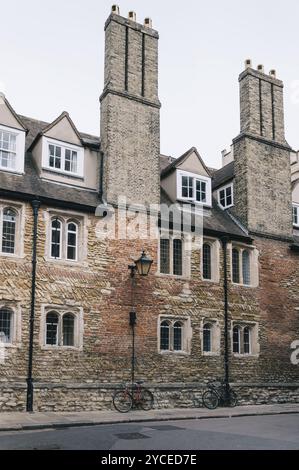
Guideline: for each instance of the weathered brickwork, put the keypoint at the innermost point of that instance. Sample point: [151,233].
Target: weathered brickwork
[98,286]
[102,288]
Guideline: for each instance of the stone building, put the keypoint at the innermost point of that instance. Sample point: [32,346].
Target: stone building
[65,290]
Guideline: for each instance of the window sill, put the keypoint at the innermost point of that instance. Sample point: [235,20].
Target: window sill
[226,207]
[64,262]
[15,172]
[247,286]
[63,173]
[211,354]
[12,255]
[60,348]
[174,276]
[195,203]
[10,345]
[242,356]
[211,281]
[174,353]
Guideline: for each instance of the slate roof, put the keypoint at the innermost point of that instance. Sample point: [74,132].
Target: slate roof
[31,185]
[223,175]
[177,161]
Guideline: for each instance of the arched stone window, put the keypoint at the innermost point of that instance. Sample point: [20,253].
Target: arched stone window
[235,265]
[237,339]
[246,267]
[6,325]
[164,335]
[206,261]
[174,334]
[64,239]
[177,336]
[171,256]
[72,241]
[247,340]
[68,329]
[62,328]
[56,229]
[52,322]
[207,337]
[9,219]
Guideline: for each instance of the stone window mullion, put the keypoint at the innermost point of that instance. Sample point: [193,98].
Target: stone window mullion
[171,255]
[60,332]
[171,336]
[241,265]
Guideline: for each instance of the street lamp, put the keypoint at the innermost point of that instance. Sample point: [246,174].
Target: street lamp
[142,266]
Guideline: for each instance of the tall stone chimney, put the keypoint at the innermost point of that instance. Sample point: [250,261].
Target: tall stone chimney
[262,187]
[130,111]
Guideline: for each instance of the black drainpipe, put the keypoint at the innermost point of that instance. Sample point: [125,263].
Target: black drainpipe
[29,404]
[224,241]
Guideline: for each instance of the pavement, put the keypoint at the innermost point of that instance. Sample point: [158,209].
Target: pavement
[21,421]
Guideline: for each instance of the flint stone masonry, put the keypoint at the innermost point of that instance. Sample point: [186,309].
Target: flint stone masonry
[58,398]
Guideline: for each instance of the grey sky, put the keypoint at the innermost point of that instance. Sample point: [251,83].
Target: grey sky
[52,60]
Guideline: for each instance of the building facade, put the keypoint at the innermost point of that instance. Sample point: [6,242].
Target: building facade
[66,292]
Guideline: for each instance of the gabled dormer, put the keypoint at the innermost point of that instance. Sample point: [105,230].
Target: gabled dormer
[62,155]
[187,179]
[12,139]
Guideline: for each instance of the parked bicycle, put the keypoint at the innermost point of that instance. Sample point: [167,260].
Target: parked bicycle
[216,395]
[131,396]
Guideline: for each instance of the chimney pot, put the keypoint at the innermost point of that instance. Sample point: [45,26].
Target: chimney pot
[148,22]
[260,68]
[272,73]
[248,63]
[132,15]
[115,9]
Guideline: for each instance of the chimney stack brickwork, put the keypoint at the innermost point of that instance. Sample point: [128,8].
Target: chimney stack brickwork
[262,188]
[130,112]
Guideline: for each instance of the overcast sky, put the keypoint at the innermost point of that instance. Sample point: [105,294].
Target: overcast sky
[52,60]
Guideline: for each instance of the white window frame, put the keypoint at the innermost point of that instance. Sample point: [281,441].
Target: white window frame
[20,150]
[215,339]
[224,188]
[205,179]
[254,347]
[46,141]
[186,334]
[295,206]
[61,311]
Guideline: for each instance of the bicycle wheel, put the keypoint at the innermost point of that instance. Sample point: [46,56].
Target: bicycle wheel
[210,399]
[146,399]
[233,399]
[122,401]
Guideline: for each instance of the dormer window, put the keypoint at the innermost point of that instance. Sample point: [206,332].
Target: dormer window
[12,149]
[63,158]
[194,188]
[296,215]
[226,196]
